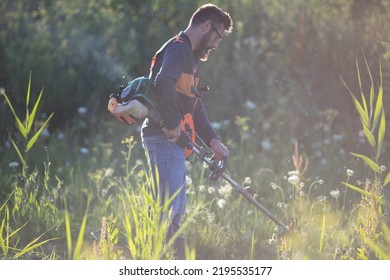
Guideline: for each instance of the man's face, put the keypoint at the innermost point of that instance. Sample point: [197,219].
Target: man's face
[209,42]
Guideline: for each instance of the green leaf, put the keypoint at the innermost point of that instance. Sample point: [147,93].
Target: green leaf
[381,134]
[387,179]
[372,91]
[28,94]
[362,113]
[379,251]
[366,112]
[80,238]
[370,137]
[31,118]
[33,139]
[33,245]
[18,152]
[378,108]
[374,166]
[364,192]
[68,234]
[21,127]
[358,74]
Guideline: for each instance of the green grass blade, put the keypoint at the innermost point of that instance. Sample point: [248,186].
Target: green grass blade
[18,152]
[387,179]
[386,233]
[322,231]
[378,108]
[21,127]
[364,192]
[32,245]
[362,112]
[68,234]
[365,108]
[33,139]
[28,97]
[381,134]
[358,75]
[30,120]
[4,242]
[370,137]
[80,239]
[372,91]
[374,166]
[382,254]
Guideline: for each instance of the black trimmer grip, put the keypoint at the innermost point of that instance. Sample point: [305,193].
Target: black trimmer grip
[184,140]
[217,168]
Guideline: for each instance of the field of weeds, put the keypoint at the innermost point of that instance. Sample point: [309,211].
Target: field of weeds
[79,193]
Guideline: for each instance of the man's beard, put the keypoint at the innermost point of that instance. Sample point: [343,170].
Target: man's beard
[203,50]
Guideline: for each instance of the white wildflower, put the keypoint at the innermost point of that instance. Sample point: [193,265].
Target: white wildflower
[211,190]
[221,203]
[82,110]
[84,150]
[321,198]
[282,205]
[188,180]
[293,172]
[250,105]
[61,136]
[266,145]
[13,164]
[294,179]
[225,190]
[108,173]
[247,181]
[350,172]
[202,188]
[335,193]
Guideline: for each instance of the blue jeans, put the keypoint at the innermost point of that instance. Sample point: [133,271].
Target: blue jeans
[170,162]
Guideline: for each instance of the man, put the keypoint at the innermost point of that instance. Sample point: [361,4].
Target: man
[174,72]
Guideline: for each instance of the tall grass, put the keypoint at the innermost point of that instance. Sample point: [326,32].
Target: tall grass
[105,206]
[25,127]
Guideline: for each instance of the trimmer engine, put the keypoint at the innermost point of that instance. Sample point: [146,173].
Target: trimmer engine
[133,103]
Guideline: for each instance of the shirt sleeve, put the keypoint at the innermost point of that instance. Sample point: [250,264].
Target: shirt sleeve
[175,59]
[202,125]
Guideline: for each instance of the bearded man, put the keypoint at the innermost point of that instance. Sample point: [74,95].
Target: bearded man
[174,72]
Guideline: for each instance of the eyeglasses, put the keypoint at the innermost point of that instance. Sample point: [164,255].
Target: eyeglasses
[216,31]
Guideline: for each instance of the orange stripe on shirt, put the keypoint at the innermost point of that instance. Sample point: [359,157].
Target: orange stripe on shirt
[184,84]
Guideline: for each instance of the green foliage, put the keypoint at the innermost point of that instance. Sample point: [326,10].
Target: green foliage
[25,127]
[273,83]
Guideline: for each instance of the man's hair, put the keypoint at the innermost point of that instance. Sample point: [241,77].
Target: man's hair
[213,13]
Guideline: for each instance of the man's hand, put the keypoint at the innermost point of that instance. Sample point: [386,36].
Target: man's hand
[174,134]
[219,150]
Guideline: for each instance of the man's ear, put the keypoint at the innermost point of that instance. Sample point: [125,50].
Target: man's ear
[205,26]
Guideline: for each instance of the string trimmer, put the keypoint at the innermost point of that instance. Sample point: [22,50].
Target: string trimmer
[134,103]
[218,169]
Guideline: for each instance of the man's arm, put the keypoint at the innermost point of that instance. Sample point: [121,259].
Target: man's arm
[207,133]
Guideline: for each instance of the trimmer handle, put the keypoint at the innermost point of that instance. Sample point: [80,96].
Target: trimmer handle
[217,168]
[184,140]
